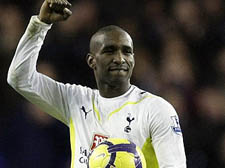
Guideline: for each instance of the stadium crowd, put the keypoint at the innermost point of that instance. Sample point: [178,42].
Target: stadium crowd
[180,50]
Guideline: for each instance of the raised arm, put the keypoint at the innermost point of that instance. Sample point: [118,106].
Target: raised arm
[48,94]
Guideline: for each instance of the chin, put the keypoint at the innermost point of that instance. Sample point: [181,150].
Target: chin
[119,79]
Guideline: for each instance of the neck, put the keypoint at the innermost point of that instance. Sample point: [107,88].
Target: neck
[113,90]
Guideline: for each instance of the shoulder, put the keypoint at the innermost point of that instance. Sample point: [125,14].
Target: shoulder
[79,90]
[140,94]
[152,98]
[154,103]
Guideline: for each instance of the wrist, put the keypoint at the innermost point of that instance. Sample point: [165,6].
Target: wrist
[36,26]
[35,19]
[41,19]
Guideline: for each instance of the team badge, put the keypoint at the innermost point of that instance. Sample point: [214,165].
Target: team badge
[127,129]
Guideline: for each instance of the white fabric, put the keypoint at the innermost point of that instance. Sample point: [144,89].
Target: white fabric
[152,116]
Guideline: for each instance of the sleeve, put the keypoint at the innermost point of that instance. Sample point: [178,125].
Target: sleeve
[166,135]
[39,89]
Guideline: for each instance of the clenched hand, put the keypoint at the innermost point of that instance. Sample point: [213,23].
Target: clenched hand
[54,11]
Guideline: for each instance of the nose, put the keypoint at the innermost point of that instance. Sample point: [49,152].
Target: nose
[118,58]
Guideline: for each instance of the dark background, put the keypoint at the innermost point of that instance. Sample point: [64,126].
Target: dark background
[180,55]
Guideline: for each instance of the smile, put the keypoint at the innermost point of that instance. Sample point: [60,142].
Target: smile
[118,69]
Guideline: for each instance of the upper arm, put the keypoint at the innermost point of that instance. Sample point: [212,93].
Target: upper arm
[48,94]
[166,135]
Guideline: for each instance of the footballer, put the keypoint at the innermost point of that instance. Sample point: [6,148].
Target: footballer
[117,109]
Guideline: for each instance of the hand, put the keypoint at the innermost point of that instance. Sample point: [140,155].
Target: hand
[54,11]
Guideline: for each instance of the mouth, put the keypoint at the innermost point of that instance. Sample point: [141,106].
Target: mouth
[123,68]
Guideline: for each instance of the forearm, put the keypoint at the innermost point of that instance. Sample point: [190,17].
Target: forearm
[23,65]
[170,152]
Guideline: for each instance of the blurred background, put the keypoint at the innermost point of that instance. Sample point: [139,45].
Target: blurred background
[180,55]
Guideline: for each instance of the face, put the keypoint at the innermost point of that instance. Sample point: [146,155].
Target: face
[114,58]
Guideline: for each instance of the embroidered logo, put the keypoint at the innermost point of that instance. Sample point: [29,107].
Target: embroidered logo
[84,111]
[176,125]
[127,129]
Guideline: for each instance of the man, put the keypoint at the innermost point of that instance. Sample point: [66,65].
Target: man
[116,109]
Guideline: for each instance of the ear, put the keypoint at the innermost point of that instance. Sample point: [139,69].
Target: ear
[91,61]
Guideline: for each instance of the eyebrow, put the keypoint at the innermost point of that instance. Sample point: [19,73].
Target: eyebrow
[109,47]
[114,47]
[128,47]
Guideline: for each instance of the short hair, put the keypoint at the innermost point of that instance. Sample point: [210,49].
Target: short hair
[109,29]
[103,30]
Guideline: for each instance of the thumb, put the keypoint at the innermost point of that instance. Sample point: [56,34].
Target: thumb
[66,13]
[61,16]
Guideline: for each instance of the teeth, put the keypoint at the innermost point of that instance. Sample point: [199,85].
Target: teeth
[117,69]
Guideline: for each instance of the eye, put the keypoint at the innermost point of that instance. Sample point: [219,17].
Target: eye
[109,50]
[128,51]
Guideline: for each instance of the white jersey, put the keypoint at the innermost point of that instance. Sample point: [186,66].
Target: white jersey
[143,118]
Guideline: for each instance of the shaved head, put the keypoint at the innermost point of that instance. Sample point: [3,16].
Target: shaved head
[111,57]
[97,38]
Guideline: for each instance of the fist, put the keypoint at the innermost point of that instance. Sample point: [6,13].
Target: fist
[54,11]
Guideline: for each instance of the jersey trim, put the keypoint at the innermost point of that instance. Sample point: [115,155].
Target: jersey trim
[117,110]
[72,142]
[95,109]
[149,154]
[125,104]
